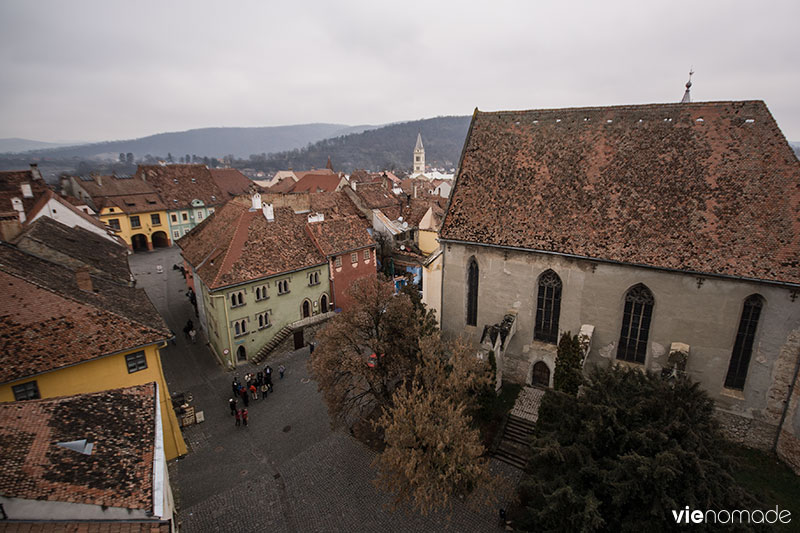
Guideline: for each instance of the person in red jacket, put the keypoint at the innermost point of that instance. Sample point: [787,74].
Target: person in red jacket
[238,416]
[253,390]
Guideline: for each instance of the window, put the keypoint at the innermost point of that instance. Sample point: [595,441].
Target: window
[199,215]
[338,262]
[743,347]
[416,158]
[472,293]
[174,217]
[261,293]
[283,286]
[155,219]
[323,303]
[366,255]
[136,362]
[184,216]
[114,223]
[548,307]
[237,299]
[313,278]
[176,234]
[240,327]
[635,324]
[354,257]
[26,391]
[263,319]
[135,223]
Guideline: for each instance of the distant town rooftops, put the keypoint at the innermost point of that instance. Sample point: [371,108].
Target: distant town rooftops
[341,235]
[118,427]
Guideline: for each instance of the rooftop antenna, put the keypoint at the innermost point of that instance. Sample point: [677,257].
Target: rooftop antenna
[687,98]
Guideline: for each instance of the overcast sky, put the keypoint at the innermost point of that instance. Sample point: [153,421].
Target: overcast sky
[92,71]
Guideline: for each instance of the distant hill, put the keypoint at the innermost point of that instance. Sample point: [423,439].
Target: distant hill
[386,148]
[215,142]
[23,145]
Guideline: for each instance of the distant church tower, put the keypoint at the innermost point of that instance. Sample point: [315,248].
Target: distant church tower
[419,156]
[687,98]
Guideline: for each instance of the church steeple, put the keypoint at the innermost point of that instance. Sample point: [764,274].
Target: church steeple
[419,156]
[687,98]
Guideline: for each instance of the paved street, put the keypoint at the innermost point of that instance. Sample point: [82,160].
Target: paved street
[286,471]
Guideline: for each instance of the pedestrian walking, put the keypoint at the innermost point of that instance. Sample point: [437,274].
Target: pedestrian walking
[244,416]
[235,386]
[254,391]
[281,370]
[244,393]
[193,335]
[264,390]
[238,416]
[232,403]
[268,377]
[259,379]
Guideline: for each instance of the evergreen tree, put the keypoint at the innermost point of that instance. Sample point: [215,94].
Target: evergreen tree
[568,375]
[625,454]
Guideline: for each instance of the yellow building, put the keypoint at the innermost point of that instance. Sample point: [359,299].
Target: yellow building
[68,332]
[128,205]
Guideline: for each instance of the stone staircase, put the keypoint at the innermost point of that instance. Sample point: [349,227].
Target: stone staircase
[513,446]
[272,344]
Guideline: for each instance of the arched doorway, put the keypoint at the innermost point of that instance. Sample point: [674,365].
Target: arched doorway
[139,242]
[323,303]
[541,374]
[160,240]
[306,309]
[241,354]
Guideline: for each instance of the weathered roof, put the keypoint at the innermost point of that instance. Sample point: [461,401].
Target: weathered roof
[119,423]
[47,322]
[333,204]
[11,182]
[337,236]
[231,181]
[79,246]
[69,204]
[130,194]
[236,245]
[105,526]
[702,187]
[416,208]
[313,182]
[375,196]
[183,183]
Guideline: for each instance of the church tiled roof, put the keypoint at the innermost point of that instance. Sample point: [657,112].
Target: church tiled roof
[119,423]
[703,187]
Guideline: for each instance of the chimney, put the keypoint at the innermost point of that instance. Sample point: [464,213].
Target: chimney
[316,217]
[37,175]
[415,191]
[269,213]
[83,279]
[99,180]
[256,199]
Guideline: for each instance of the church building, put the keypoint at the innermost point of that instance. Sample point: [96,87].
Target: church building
[667,235]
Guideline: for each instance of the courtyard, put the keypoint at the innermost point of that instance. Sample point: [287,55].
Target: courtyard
[287,470]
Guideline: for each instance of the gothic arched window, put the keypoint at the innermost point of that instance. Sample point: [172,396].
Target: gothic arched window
[635,324]
[472,293]
[548,307]
[743,347]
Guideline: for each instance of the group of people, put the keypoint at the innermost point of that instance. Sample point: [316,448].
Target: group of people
[253,384]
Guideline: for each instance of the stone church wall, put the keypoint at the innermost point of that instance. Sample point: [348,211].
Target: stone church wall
[700,311]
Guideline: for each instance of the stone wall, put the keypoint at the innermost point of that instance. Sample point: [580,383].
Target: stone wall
[747,431]
[702,312]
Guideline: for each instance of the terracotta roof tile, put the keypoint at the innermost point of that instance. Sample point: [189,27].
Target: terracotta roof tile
[703,187]
[119,423]
[231,181]
[236,245]
[375,196]
[183,183]
[337,236]
[47,322]
[333,204]
[11,187]
[313,182]
[108,526]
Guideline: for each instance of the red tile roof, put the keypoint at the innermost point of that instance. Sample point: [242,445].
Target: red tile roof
[312,182]
[375,196]
[334,237]
[183,183]
[231,181]
[95,526]
[130,194]
[236,245]
[47,322]
[333,204]
[119,423]
[704,187]
[11,187]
